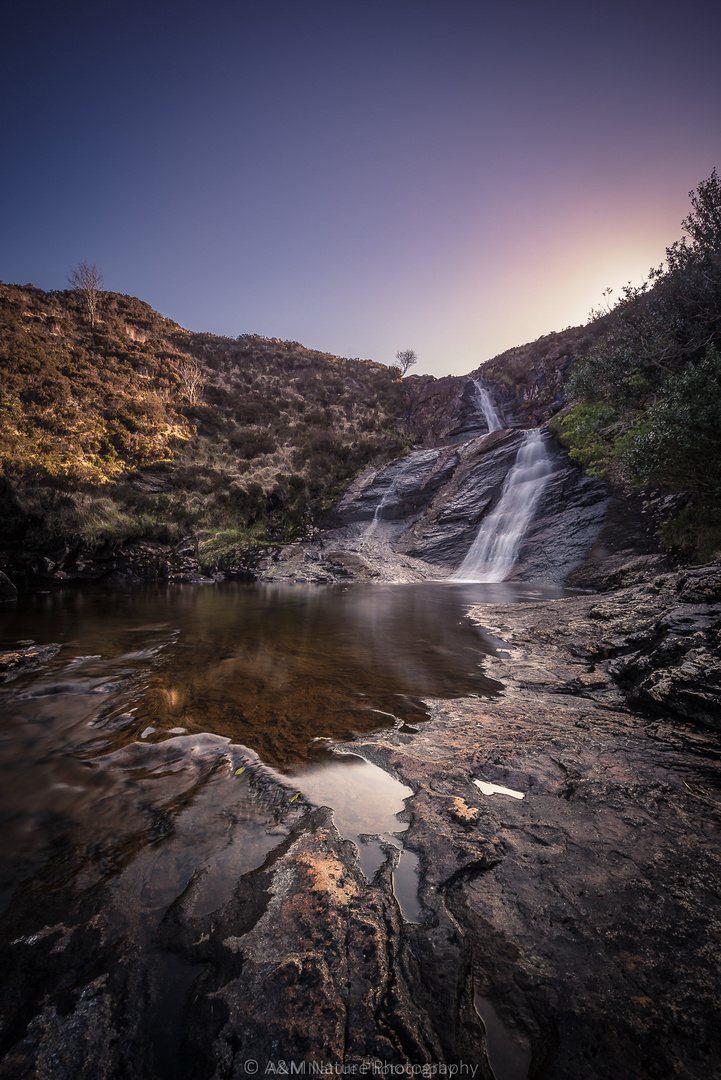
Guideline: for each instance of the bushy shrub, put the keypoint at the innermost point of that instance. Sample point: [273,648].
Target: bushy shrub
[678,444]
[252,442]
[647,397]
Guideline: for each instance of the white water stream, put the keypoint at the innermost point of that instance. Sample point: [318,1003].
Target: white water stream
[495,549]
[378,515]
[489,413]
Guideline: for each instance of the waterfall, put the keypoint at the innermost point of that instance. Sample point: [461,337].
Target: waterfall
[495,549]
[378,515]
[490,415]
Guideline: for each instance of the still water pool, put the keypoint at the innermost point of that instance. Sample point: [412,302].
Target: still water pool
[179,730]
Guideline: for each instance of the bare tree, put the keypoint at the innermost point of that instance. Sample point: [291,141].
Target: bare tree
[405,359]
[191,379]
[88,280]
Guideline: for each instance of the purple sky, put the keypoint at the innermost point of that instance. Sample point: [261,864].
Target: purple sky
[362,176]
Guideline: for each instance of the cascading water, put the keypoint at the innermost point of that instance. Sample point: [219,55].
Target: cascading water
[495,549]
[490,415]
[378,515]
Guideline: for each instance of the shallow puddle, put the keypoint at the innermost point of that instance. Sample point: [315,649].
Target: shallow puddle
[509,1056]
[366,801]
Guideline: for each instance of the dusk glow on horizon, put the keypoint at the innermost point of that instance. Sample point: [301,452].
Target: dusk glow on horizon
[361,176]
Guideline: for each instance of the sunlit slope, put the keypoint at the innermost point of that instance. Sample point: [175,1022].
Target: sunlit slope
[138,427]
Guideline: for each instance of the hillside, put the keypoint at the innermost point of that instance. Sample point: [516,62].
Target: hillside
[644,400]
[121,430]
[530,379]
[138,428]
[635,394]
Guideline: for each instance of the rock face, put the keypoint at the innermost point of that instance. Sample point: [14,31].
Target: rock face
[433,406]
[674,663]
[447,411]
[140,560]
[430,505]
[446,530]
[567,523]
[7,589]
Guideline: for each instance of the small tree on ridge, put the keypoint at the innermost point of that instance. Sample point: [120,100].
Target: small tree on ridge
[88,280]
[405,359]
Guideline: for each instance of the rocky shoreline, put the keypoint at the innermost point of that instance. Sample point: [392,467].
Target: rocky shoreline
[574,932]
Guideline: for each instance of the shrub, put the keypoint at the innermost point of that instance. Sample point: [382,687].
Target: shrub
[679,443]
[252,442]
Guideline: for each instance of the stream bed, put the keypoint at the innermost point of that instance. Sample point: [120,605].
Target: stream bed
[178,729]
[348,824]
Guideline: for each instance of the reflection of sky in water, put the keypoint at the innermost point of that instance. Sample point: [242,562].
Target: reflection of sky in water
[366,801]
[115,757]
[360,794]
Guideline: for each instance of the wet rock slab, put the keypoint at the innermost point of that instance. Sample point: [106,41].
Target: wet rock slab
[585,915]
[421,514]
[589,910]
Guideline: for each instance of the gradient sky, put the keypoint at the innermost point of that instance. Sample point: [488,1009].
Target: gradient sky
[362,176]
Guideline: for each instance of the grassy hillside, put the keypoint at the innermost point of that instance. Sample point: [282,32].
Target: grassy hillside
[644,402]
[136,427]
[532,377]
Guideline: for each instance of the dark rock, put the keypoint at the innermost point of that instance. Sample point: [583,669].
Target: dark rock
[452,518]
[298,971]
[13,662]
[567,522]
[7,589]
[700,585]
[400,491]
[626,551]
[433,406]
[678,666]
[620,571]
[440,497]
[349,563]
[470,419]
[589,906]
[586,913]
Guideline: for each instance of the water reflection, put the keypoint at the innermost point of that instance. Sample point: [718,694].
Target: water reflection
[271,668]
[117,757]
[366,802]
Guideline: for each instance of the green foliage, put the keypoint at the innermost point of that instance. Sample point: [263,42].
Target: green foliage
[703,224]
[225,547]
[598,436]
[646,398]
[679,444]
[695,533]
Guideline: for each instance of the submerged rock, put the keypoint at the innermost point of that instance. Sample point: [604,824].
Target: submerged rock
[15,661]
